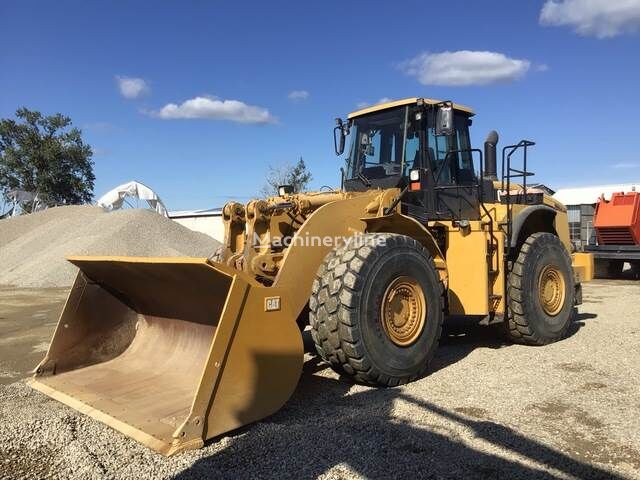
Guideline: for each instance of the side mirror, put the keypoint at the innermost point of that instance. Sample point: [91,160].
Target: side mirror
[444,120]
[339,135]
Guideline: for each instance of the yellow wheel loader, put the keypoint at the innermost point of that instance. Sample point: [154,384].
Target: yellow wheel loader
[174,351]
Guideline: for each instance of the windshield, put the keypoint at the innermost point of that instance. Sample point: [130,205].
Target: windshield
[378,145]
[386,145]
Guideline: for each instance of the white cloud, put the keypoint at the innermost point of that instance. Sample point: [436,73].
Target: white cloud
[626,165]
[213,108]
[132,87]
[465,67]
[599,18]
[296,95]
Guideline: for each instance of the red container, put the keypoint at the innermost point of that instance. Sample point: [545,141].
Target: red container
[617,221]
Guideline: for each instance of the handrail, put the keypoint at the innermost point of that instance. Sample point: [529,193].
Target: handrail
[506,159]
[524,145]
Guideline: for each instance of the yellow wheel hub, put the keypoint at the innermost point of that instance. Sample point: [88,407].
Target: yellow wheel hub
[404,310]
[551,290]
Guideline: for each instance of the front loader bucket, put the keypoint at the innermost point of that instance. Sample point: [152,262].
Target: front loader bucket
[171,352]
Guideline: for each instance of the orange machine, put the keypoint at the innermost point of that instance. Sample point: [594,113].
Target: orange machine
[617,226]
[617,222]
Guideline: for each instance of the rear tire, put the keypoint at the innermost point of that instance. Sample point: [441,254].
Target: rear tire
[541,292]
[376,309]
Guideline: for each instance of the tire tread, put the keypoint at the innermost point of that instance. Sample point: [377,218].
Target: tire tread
[519,327]
[336,337]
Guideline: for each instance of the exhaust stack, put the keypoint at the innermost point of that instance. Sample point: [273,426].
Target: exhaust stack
[490,155]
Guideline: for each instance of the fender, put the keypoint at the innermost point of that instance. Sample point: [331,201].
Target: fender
[404,225]
[544,212]
[301,261]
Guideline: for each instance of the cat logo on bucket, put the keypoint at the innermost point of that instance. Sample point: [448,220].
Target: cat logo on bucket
[271,304]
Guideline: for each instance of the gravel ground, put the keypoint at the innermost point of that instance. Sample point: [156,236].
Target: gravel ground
[34,246]
[486,410]
[27,320]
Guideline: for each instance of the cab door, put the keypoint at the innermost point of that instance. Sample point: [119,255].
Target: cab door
[455,189]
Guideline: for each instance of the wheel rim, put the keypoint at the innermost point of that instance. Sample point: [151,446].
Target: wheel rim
[551,290]
[404,310]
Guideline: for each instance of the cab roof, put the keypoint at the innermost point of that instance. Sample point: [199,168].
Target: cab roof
[406,101]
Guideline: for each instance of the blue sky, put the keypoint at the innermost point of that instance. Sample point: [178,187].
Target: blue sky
[563,73]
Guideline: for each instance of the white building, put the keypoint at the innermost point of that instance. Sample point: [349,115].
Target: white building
[207,221]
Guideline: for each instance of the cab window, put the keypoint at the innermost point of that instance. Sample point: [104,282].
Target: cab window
[459,167]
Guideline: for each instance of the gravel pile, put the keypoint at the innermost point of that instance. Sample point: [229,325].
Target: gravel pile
[33,247]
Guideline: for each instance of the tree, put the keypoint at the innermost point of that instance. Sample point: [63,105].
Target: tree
[45,155]
[298,176]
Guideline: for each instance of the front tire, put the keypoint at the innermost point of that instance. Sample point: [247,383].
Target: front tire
[541,291]
[376,309]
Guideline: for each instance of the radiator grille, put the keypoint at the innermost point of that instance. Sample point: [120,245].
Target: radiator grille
[615,236]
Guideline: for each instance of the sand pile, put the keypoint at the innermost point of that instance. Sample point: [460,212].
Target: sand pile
[33,247]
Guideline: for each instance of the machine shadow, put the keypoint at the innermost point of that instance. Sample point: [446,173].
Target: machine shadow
[579,321]
[462,335]
[325,426]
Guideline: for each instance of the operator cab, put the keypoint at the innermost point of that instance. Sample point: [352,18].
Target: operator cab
[385,145]
[427,137]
